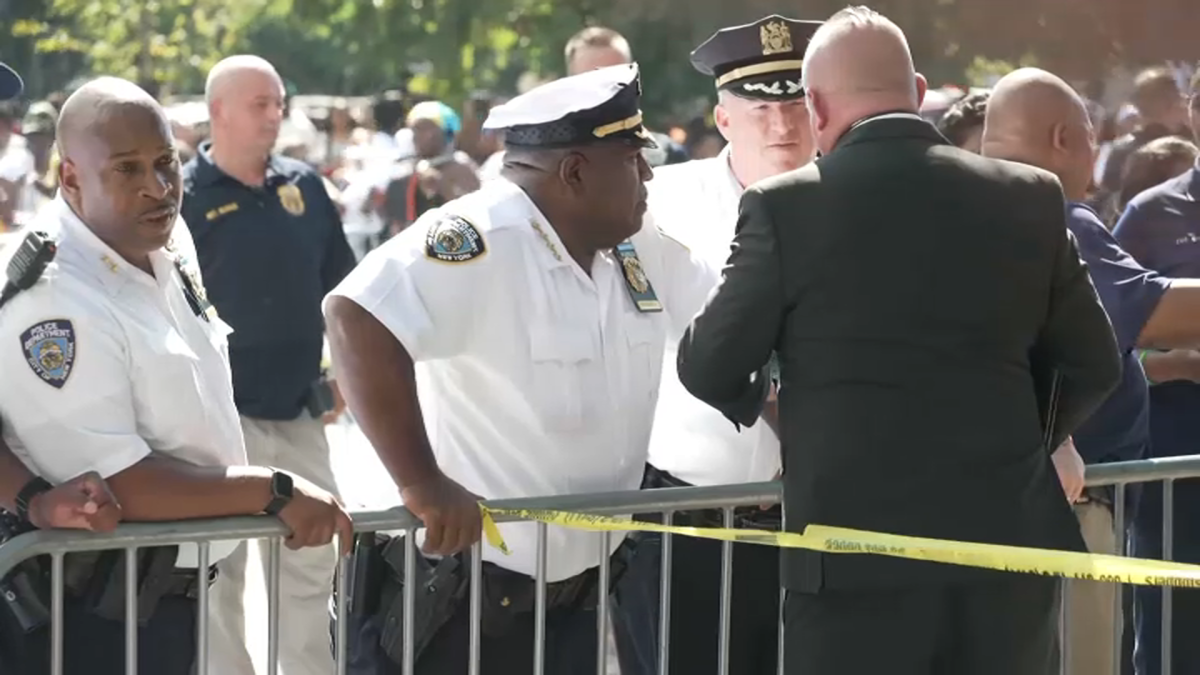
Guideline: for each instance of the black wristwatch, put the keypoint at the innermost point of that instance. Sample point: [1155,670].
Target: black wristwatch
[32,489]
[282,489]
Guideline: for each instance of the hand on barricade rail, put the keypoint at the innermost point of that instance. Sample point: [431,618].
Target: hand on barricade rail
[82,503]
[1071,469]
[449,511]
[314,516]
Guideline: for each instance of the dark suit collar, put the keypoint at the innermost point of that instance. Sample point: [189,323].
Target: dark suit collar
[898,124]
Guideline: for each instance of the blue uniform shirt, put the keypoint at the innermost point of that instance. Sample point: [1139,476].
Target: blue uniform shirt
[268,255]
[1161,228]
[1120,428]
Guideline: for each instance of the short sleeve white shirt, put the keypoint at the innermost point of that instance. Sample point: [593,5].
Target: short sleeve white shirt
[696,203]
[105,363]
[544,379]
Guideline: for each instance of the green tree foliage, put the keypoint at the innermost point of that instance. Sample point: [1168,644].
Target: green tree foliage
[451,48]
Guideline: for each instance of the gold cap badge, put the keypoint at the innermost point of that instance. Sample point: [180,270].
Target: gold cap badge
[776,38]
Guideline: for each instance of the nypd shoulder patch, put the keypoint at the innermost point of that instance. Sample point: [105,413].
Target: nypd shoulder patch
[454,239]
[49,349]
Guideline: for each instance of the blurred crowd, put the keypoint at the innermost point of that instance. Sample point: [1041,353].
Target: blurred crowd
[1141,143]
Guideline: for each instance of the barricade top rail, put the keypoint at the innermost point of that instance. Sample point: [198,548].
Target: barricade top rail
[48,542]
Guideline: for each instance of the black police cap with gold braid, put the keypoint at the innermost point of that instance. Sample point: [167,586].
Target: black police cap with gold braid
[602,105]
[760,60]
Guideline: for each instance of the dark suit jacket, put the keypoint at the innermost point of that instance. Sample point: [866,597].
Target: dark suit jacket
[908,288]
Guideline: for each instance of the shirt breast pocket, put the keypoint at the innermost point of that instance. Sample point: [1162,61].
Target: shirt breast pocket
[644,339]
[562,362]
[166,391]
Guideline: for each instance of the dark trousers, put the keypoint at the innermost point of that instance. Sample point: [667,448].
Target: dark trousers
[96,646]
[696,609]
[570,647]
[1006,627]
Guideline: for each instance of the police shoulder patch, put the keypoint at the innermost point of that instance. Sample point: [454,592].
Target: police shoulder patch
[49,348]
[454,239]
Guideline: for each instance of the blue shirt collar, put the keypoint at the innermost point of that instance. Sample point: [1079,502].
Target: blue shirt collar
[207,171]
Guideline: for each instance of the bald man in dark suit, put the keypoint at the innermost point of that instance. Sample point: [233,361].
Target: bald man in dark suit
[929,311]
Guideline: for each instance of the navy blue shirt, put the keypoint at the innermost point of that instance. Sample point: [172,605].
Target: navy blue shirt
[269,255]
[1161,229]
[1120,428]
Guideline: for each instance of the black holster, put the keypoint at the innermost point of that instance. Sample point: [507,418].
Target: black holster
[377,585]
[439,587]
[25,590]
[97,580]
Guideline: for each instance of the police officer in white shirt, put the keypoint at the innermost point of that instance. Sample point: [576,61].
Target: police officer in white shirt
[114,362]
[538,308]
[761,112]
[84,502]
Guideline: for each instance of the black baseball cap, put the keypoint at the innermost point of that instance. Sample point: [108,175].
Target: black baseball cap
[10,83]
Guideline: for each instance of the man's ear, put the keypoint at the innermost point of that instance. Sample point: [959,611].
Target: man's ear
[570,170]
[816,110]
[721,119]
[68,177]
[922,88]
[1060,137]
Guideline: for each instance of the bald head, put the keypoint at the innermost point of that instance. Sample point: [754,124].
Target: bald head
[120,170]
[1036,118]
[858,64]
[230,70]
[245,105]
[99,103]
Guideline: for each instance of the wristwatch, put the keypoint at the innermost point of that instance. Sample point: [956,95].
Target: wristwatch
[282,489]
[32,489]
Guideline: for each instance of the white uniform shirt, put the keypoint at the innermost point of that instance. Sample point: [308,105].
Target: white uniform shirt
[697,203]
[104,363]
[544,380]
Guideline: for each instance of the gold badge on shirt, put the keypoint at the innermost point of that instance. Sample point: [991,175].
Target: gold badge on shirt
[640,289]
[291,199]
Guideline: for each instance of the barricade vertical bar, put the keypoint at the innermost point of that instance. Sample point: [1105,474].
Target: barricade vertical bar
[782,607]
[342,635]
[203,563]
[664,599]
[1119,496]
[474,665]
[131,611]
[274,549]
[56,614]
[1064,627]
[602,605]
[539,605]
[410,602]
[726,594]
[1168,549]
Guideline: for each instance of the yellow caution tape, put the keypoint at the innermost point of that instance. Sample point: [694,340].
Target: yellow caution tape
[1066,564]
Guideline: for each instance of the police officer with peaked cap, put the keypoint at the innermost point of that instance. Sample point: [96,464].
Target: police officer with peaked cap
[761,111]
[538,309]
[115,362]
[84,502]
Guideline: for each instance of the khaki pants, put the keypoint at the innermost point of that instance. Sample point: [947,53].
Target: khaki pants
[1092,613]
[306,576]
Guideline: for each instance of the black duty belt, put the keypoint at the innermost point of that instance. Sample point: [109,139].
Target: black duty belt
[744,517]
[185,582]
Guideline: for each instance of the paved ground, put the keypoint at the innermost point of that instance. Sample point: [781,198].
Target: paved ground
[364,484]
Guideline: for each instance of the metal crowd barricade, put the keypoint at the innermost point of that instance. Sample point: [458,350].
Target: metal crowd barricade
[666,501]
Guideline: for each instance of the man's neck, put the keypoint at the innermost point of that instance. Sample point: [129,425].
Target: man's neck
[583,254]
[748,170]
[250,169]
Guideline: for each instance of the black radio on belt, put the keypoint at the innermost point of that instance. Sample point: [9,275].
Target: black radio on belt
[34,253]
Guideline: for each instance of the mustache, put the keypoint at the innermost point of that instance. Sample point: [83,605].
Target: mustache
[161,209]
